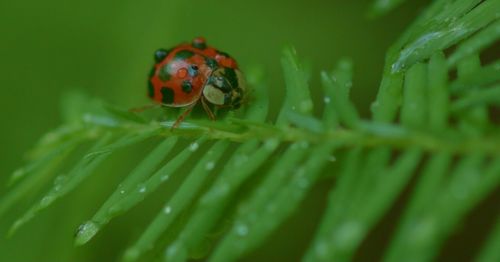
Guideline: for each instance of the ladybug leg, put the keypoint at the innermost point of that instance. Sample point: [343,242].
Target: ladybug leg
[183,116]
[143,108]
[204,103]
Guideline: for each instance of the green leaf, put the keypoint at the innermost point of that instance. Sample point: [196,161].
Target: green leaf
[448,33]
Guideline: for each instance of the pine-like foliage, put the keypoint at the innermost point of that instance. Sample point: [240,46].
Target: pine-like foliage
[427,124]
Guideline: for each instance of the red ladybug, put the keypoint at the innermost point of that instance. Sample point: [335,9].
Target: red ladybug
[194,72]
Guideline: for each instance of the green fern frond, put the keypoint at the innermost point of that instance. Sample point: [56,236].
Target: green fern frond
[255,171]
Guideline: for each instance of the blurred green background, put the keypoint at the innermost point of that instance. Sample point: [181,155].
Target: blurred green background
[106,47]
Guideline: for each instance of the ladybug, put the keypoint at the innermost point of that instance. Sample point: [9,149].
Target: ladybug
[195,72]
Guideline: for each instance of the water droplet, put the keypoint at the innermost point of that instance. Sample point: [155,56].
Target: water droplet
[176,252]
[241,229]
[47,200]
[142,189]
[210,165]
[18,174]
[326,99]
[58,182]
[122,191]
[167,210]
[60,179]
[394,68]
[85,232]
[194,146]
[164,178]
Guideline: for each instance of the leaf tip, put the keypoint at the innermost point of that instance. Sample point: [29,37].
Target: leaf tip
[86,232]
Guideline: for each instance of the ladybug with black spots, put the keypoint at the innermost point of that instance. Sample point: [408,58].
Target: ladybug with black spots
[195,72]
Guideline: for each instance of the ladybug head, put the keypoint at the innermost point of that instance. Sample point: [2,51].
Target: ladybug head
[225,87]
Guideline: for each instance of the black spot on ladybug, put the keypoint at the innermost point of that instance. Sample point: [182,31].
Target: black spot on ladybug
[193,70]
[199,44]
[164,73]
[186,86]
[151,89]
[160,54]
[211,63]
[167,95]
[231,77]
[183,54]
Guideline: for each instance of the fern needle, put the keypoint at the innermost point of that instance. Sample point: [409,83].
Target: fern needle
[486,75]
[40,172]
[476,43]
[125,141]
[437,89]
[181,199]
[330,116]
[248,232]
[338,202]
[64,184]
[55,155]
[216,199]
[337,87]
[342,239]
[483,97]
[159,177]
[248,211]
[298,97]
[388,100]
[433,40]
[410,233]
[490,251]
[414,111]
[90,228]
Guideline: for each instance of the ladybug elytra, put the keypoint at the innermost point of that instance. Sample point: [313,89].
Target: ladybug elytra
[194,72]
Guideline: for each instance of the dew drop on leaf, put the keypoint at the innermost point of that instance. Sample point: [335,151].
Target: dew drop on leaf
[210,165]
[241,229]
[193,147]
[47,200]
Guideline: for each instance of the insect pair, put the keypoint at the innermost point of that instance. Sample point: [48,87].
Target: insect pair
[192,73]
